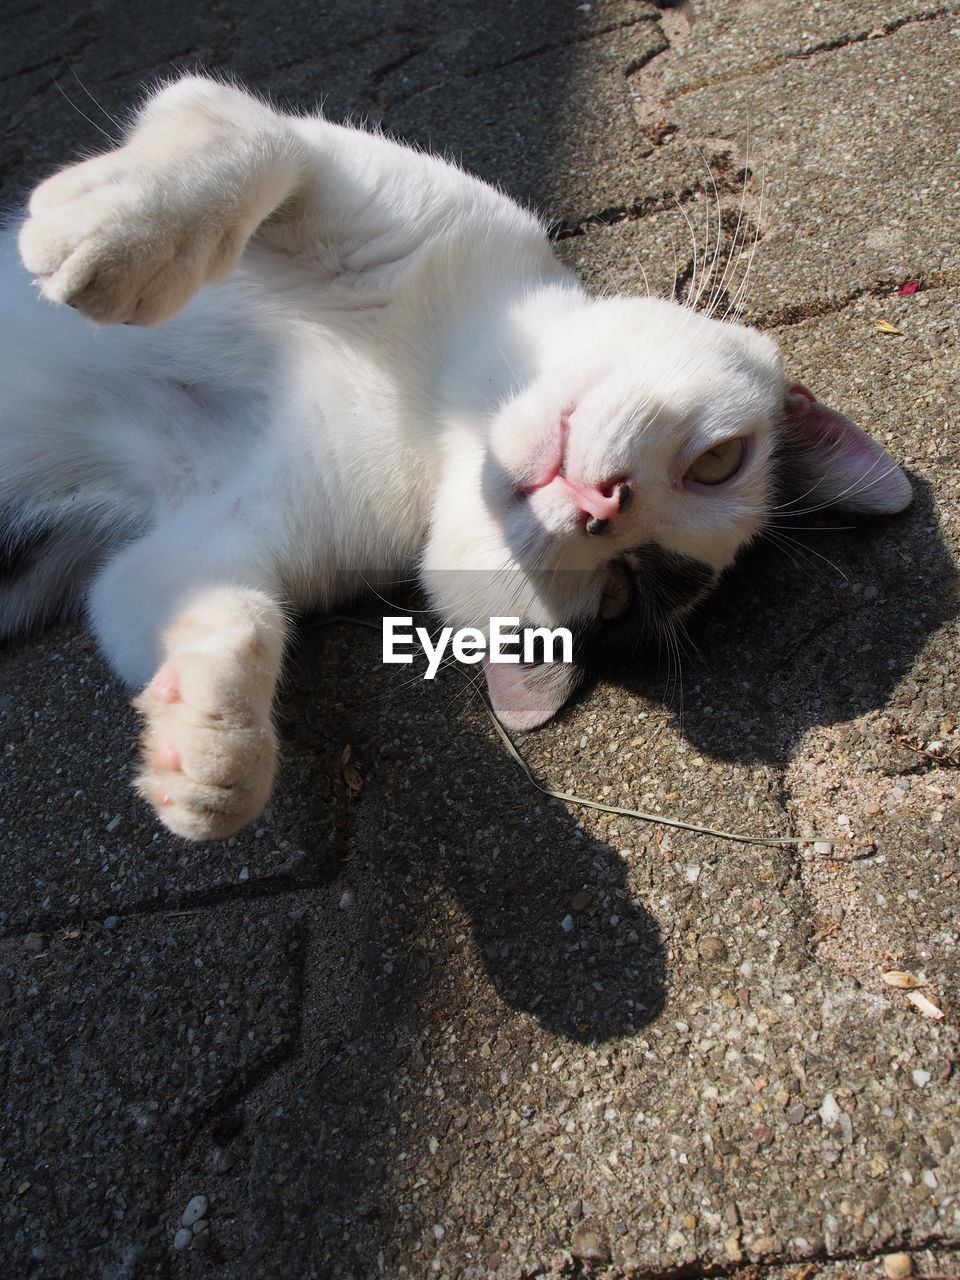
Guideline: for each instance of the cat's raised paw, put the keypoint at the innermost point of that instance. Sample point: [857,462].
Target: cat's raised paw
[124,244]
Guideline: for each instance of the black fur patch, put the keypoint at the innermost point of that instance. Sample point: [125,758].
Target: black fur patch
[664,586]
[668,584]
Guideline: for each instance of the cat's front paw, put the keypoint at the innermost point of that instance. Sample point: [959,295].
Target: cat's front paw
[205,774]
[209,750]
[122,243]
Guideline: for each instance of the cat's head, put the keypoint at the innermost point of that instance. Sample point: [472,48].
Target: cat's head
[649,446]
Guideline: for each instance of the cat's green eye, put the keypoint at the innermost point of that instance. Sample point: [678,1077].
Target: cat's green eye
[718,463]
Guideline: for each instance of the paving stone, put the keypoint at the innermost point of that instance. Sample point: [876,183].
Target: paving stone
[86,847]
[556,130]
[896,909]
[114,1045]
[714,43]
[859,173]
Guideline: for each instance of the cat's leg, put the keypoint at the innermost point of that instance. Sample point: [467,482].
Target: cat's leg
[204,644]
[131,236]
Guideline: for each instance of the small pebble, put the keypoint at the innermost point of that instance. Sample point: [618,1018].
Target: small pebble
[830,1110]
[183,1239]
[822,846]
[898,1266]
[34,943]
[581,900]
[195,1210]
[347,899]
[712,948]
[921,1078]
[222,1161]
[588,1244]
[731,1247]
[112,922]
[566,924]
[200,1226]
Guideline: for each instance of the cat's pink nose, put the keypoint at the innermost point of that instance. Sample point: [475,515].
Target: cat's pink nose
[599,503]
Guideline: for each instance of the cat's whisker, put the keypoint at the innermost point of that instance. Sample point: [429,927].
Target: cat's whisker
[398,686]
[790,550]
[692,291]
[737,246]
[100,107]
[472,685]
[709,274]
[674,686]
[788,526]
[739,300]
[739,243]
[636,258]
[675,290]
[93,124]
[866,480]
[392,604]
[784,539]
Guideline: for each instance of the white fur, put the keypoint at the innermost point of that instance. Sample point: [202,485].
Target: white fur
[379,368]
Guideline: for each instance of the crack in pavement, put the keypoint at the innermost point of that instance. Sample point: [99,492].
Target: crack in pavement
[528,55]
[800,55]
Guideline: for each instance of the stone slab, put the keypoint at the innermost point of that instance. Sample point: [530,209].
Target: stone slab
[556,130]
[115,1041]
[710,43]
[80,845]
[859,165]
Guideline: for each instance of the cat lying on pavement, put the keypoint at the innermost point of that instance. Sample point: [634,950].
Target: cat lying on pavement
[317,359]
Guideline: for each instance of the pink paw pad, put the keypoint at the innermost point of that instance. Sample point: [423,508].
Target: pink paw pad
[166,754]
[165,685]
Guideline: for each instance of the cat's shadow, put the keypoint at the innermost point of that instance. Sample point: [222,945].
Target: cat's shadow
[815,633]
[817,629]
[447,822]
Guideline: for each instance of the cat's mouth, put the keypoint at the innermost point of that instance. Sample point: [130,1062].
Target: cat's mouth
[598,505]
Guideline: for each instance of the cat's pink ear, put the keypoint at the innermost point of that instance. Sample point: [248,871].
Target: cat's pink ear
[835,463]
[525,695]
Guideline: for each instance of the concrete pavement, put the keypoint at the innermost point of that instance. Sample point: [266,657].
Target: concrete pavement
[449,1027]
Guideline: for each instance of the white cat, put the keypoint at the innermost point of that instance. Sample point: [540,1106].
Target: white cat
[390,375]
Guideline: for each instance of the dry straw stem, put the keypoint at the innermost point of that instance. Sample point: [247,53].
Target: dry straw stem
[926,1007]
